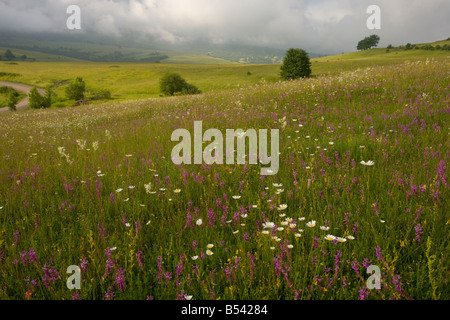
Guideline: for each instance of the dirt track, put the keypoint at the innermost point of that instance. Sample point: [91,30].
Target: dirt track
[22,104]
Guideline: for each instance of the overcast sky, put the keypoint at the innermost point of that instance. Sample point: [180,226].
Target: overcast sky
[319,26]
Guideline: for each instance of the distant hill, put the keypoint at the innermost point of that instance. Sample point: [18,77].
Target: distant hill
[380,56]
[51,47]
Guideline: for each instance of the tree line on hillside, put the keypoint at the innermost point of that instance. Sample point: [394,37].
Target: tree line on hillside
[115,56]
[9,56]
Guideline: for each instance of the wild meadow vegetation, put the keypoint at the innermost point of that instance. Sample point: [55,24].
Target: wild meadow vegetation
[363,181]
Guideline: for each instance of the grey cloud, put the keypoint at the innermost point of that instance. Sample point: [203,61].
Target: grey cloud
[325,25]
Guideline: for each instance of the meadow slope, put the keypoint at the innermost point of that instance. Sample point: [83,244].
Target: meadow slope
[94,186]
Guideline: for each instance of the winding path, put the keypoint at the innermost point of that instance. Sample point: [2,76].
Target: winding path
[22,104]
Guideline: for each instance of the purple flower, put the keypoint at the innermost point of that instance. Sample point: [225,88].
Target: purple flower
[378,253]
[50,275]
[120,279]
[109,294]
[212,218]
[363,293]
[139,257]
[32,256]
[418,229]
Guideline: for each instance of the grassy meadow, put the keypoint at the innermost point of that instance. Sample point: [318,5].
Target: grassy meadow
[363,180]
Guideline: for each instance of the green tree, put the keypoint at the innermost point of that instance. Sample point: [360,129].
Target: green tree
[76,89]
[368,42]
[296,65]
[13,98]
[190,89]
[9,55]
[172,83]
[37,101]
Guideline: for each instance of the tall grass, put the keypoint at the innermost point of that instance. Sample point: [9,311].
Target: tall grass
[95,186]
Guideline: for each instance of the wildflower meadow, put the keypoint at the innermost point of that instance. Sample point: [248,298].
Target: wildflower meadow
[362,181]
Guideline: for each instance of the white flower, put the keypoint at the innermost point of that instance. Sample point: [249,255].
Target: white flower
[324,228]
[331,143]
[210,246]
[95,145]
[128,155]
[368,163]
[127,225]
[265,232]
[330,237]
[351,237]
[290,246]
[194,258]
[131,187]
[149,221]
[277,185]
[268,225]
[311,224]
[284,223]
[209,252]
[61,150]
[280,228]
[81,143]
[126,200]
[177,190]
[339,239]
[119,190]
[282,207]
[292,225]
[199,222]
[113,248]
[244,215]
[235,232]
[272,248]
[301,219]
[236,197]
[298,235]
[187,297]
